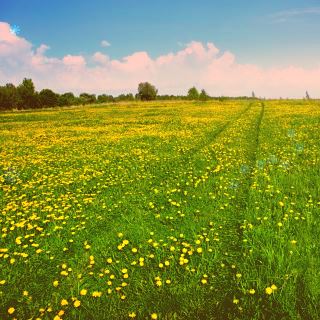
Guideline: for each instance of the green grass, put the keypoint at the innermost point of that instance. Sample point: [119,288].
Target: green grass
[202,208]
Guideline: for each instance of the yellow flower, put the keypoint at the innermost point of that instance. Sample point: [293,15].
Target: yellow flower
[77,303]
[83,292]
[11,310]
[97,294]
[64,302]
[134,250]
[55,283]
[154,316]
[109,260]
[269,290]
[235,301]
[274,287]
[252,291]
[204,281]
[57,317]
[132,315]
[238,275]
[199,250]
[168,281]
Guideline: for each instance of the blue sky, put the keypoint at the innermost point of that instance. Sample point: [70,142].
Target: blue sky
[268,33]
[226,47]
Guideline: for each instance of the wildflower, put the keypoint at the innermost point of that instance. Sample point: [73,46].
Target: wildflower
[96,294]
[132,315]
[274,287]
[154,316]
[83,292]
[77,303]
[199,250]
[64,302]
[235,301]
[55,283]
[269,290]
[252,291]
[11,310]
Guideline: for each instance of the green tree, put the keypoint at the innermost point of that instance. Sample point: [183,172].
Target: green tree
[86,98]
[146,91]
[203,95]
[193,94]
[28,97]
[67,99]
[9,98]
[48,98]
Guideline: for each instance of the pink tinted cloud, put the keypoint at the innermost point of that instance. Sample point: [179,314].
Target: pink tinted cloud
[197,64]
[74,61]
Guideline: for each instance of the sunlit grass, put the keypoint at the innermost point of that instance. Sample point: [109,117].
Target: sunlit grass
[175,210]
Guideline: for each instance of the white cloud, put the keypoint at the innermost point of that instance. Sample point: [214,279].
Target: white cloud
[217,72]
[105,43]
[283,16]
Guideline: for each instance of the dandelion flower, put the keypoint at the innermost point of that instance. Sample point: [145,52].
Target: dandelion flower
[269,290]
[11,310]
[77,303]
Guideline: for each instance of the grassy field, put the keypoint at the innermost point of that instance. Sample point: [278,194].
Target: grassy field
[162,210]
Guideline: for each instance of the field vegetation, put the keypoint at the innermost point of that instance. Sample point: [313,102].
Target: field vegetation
[161,210]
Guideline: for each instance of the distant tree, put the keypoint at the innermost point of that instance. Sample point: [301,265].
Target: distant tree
[203,95]
[193,94]
[9,98]
[146,91]
[67,99]
[48,98]
[28,97]
[307,95]
[86,98]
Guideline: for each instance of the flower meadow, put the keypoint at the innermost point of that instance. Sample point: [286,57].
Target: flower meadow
[161,210]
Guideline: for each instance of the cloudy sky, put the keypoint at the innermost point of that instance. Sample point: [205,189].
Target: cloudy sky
[109,46]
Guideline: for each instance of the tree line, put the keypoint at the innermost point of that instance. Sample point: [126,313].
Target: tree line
[24,96]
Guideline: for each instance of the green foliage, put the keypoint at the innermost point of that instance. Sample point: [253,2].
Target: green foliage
[67,99]
[103,98]
[193,94]
[87,98]
[146,91]
[203,95]
[8,97]
[28,97]
[48,98]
